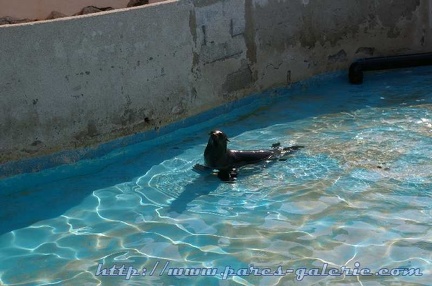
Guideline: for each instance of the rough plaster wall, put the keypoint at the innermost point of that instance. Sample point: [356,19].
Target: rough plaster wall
[86,80]
[308,37]
[220,67]
[127,71]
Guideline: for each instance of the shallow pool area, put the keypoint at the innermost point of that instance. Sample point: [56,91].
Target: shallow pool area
[359,196]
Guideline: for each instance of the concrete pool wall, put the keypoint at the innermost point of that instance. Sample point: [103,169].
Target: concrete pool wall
[76,82]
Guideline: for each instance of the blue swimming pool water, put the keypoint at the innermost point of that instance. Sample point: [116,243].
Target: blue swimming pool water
[359,192]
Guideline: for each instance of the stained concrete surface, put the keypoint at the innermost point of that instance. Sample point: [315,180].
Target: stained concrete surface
[76,82]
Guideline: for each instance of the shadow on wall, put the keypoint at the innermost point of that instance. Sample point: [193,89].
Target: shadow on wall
[59,13]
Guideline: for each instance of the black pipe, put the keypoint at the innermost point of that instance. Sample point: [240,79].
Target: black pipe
[382,63]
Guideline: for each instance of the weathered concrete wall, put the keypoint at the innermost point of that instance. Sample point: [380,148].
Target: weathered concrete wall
[303,37]
[77,82]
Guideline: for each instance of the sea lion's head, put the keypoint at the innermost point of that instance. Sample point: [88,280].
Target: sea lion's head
[215,153]
[218,138]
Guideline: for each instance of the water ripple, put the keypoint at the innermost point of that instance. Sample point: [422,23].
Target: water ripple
[360,191]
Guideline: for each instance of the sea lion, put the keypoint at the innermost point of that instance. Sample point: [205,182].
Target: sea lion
[217,156]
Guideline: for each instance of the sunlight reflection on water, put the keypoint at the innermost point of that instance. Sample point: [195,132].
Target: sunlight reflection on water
[361,190]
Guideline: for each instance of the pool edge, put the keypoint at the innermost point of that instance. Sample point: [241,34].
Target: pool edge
[67,157]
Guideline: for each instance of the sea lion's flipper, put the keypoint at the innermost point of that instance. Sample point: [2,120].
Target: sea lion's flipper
[228,176]
[288,151]
[292,148]
[276,145]
[201,169]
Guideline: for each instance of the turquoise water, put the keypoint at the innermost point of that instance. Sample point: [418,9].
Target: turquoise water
[359,192]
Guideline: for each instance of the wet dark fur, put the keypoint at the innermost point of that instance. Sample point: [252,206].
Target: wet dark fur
[226,161]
